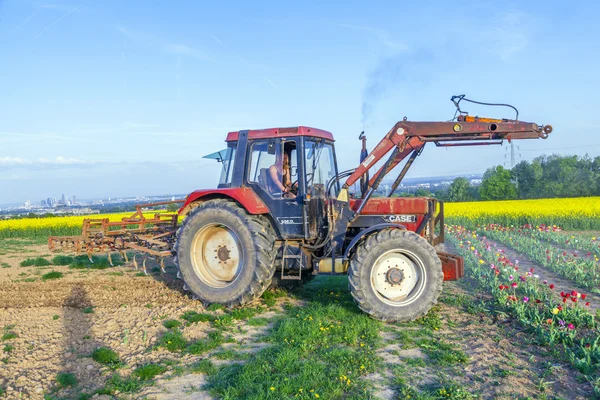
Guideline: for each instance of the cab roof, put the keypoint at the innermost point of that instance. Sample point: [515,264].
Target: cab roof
[282,132]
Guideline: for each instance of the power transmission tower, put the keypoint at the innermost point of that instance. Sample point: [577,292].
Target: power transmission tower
[512,155]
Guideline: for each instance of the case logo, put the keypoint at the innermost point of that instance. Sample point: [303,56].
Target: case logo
[400,218]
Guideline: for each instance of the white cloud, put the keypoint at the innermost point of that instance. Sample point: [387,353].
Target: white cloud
[59,160]
[13,161]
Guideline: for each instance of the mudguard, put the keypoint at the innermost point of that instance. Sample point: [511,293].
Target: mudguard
[245,196]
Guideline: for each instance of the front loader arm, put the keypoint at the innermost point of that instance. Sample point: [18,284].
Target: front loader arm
[409,137]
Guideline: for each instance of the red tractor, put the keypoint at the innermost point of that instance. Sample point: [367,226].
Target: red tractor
[282,213]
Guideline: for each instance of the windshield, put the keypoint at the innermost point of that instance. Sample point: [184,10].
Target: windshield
[226,157]
[320,164]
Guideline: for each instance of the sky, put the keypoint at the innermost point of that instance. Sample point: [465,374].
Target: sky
[122,98]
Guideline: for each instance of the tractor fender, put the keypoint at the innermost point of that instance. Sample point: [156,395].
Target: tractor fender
[365,232]
[245,196]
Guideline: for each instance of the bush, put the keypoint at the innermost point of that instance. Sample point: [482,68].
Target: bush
[106,356]
[66,379]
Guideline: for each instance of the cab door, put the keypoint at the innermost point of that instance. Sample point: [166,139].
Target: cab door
[320,167]
[264,158]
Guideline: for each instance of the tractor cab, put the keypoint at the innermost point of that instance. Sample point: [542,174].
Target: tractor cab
[288,169]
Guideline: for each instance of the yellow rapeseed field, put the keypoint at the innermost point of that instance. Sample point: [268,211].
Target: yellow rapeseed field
[570,213]
[67,225]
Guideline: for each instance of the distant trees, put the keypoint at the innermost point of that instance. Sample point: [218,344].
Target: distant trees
[497,185]
[544,177]
[459,190]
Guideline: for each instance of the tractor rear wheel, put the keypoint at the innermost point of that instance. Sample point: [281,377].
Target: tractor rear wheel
[225,255]
[395,275]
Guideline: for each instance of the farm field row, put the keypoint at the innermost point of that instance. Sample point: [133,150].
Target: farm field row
[560,320]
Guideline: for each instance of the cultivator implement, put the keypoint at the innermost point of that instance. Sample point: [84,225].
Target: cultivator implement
[148,238]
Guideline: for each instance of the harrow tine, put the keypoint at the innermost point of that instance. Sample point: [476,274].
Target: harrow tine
[110,261]
[185,287]
[179,274]
[135,263]
[89,254]
[144,266]
[194,297]
[124,256]
[162,265]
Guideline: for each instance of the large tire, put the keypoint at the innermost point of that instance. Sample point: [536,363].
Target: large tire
[395,275]
[224,254]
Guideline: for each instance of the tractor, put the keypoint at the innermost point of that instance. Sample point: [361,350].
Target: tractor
[282,213]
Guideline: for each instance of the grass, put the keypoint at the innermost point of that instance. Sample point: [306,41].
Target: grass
[171,323]
[193,317]
[82,262]
[63,260]
[37,262]
[311,350]
[106,356]
[258,321]
[5,265]
[52,275]
[118,384]
[270,296]
[212,341]
[66,379]
[148,371]
[9,336]
[8,348]
[173,341]
[88,310]
[204,367]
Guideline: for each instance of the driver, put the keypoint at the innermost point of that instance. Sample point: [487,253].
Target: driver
[281,177]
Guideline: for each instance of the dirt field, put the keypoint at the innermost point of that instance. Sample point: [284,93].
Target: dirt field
[57,324]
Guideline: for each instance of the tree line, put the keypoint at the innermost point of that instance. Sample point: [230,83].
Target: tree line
[544,177]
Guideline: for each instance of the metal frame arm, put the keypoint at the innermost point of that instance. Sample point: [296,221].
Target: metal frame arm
[408,136]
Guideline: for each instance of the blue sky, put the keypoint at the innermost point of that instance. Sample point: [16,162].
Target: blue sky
[114,98]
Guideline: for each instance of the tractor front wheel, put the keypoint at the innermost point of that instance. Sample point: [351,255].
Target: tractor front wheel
[225,255]
[395,275]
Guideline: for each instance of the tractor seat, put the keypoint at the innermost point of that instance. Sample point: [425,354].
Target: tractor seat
[266,182]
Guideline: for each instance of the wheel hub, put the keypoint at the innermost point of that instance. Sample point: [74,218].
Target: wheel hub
[217,256]
[394,276]
[223,253]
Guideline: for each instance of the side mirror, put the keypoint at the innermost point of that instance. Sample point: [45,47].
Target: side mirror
[294,171]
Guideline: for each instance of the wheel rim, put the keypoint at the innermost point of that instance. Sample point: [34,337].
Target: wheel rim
[216,255]
[398,277]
